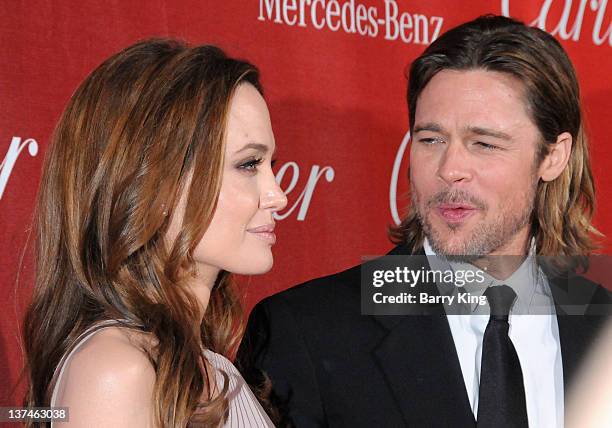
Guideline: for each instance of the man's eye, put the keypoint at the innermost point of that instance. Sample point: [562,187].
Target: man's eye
[486,146]
[430,141]
[250,165]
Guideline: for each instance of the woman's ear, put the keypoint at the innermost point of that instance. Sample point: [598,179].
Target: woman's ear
[557,158]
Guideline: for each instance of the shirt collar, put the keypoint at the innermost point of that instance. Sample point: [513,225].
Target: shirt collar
[528,281]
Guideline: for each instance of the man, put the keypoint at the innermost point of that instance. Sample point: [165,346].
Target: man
[498,166]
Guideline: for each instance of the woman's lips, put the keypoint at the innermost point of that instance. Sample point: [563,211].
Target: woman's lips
[455,213]
[265,233]
[269,237]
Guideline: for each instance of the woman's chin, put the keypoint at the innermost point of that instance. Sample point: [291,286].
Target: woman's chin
[255,267]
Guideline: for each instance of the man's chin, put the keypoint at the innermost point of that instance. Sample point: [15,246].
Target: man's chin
[454,249]
[461,258]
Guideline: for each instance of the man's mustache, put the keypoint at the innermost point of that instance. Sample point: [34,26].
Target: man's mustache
[455,196]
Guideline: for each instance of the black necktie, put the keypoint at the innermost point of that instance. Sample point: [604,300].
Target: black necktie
[501,401]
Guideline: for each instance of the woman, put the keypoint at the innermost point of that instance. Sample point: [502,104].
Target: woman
[157,185]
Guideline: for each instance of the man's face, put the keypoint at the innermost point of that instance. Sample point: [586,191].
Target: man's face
[472,163]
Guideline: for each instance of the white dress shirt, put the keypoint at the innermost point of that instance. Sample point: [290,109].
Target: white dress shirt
[533,331]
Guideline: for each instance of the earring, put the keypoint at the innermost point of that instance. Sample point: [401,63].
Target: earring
[164,210]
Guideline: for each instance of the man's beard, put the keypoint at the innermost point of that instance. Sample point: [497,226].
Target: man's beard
[486,237]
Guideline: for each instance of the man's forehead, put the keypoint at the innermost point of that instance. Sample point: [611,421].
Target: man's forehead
[476,101]
[480,87]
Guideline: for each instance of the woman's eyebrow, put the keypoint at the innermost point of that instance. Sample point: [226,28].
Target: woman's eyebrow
[257,146]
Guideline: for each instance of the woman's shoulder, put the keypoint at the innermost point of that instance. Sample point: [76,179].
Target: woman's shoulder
[113,351]
[108,380]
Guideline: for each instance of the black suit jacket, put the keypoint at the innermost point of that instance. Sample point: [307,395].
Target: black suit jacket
[331,366]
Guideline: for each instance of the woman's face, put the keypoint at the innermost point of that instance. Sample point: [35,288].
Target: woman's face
[240,236]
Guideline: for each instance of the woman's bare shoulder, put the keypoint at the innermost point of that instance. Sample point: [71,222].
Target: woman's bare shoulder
[109,381]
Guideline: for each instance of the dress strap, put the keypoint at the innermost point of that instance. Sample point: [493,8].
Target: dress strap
[80,340]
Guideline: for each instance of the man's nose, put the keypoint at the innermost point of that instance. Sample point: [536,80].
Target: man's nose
[455,165]
[272,196]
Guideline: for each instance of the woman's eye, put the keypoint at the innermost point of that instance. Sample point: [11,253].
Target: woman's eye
[250,165]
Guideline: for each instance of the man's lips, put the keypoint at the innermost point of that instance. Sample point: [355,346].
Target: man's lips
[455,212]
[265,232]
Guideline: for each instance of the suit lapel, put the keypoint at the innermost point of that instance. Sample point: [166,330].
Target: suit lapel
[419,361]
[420,364]
[573,348]
[576,331]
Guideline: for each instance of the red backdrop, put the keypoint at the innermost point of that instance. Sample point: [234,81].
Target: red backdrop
[333,73]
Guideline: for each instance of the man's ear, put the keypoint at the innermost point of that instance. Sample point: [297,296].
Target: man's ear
[557,158]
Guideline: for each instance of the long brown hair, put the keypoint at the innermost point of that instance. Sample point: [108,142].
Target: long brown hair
[564,207]
[146,125]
